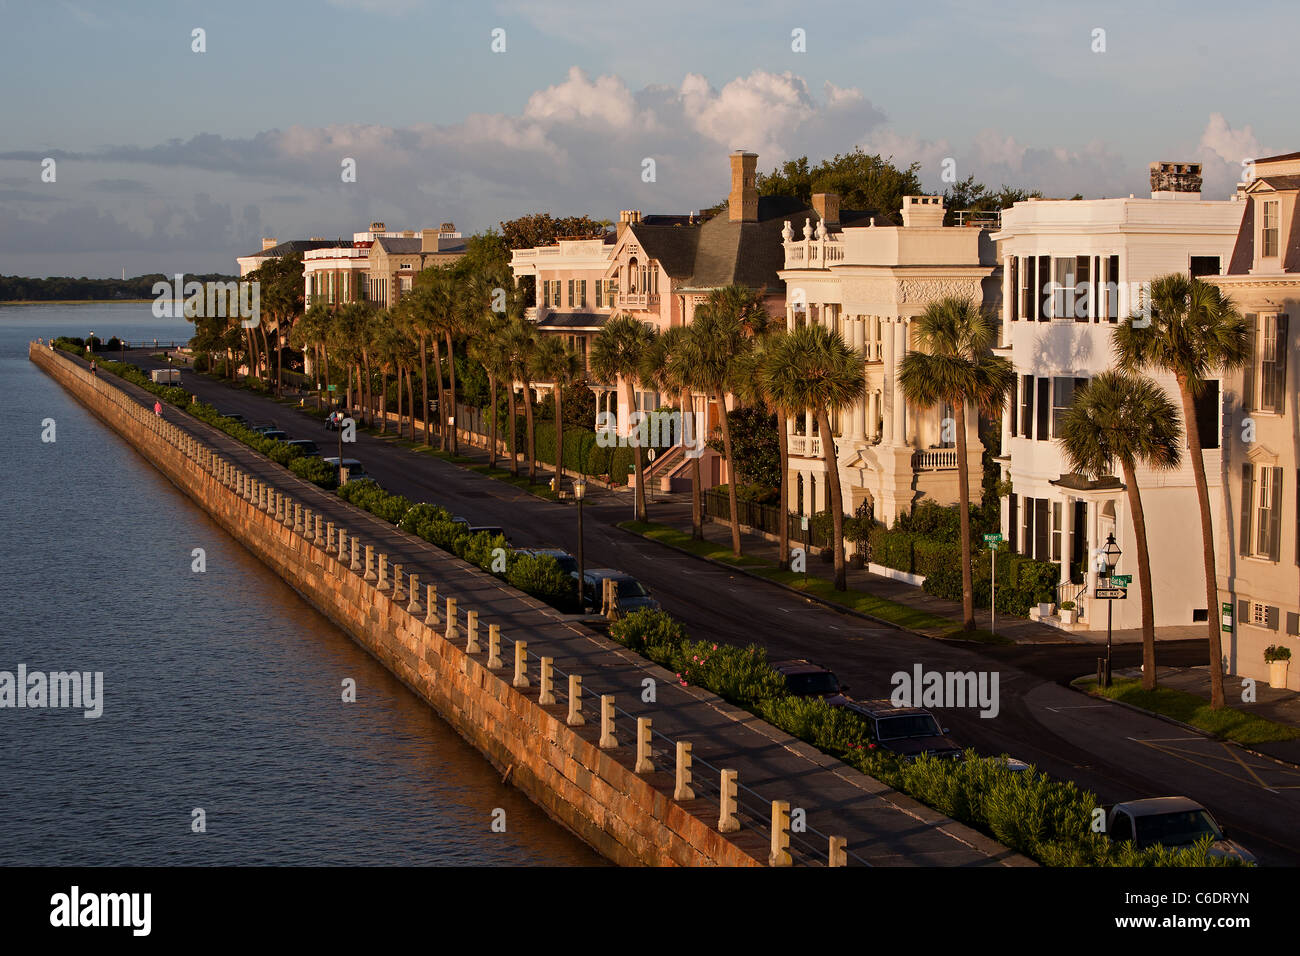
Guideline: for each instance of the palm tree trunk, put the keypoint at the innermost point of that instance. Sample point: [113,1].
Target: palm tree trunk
[528,422]
[514,452]
[783,517]
[963,492]
[368,389]
[1207,542]
[638,467]
[731,474]
[559,440]
[1144,579]
[424,382]
[492,448]
[697,482]
[400,370]
[837,499]
[383,400]
[451,397]
[442,403]
[410,397]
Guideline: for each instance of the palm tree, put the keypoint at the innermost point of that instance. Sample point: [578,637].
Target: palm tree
[662,365]
[1129,419]
[955,366]
[520,342]
[616,354]
[813,370]
[488,348]
[1192,333]
[555,362]
[764,357]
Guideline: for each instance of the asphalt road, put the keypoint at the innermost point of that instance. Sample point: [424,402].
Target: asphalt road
[1114,752]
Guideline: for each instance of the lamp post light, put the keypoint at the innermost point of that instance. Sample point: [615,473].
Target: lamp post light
[1110,554]
[580,492]
[90,343]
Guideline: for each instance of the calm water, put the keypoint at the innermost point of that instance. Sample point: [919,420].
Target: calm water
[222,690]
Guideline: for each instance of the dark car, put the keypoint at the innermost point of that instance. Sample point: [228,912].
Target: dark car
[909,732]
[806,679]
[489,529]
[567,562]
[355,470]
[308,447]
[632,594]
[238,419]
[275,434]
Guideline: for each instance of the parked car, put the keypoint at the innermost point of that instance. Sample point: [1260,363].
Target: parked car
[806,679]
[632,595]
[489,529]
[567,562]
[306,446]
[909,732]
[275,434]
[1175,822]
[333,421]
[355,469]
[240,419]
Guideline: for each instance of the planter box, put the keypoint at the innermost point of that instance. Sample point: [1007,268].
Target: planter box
[1277,674]
[916,580]
[1067,617]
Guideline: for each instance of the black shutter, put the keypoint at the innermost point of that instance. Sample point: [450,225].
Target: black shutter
[1112,306]
[1044,407]
[1292,623]
[1014,304]
[1270,617]
[1082,288]
[1248,376]
[1283,346]
[1247,501]
[1042,530]
[1275,517]
[1243,615]
[1027,545]
[1206,407]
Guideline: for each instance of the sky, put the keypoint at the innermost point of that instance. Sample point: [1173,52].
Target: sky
[170,159]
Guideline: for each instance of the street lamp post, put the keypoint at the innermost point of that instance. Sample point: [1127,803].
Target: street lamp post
[90,343]
[1111,555]
[580,492]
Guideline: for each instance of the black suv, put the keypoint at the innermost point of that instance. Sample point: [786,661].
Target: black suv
[806,679]
[907,731]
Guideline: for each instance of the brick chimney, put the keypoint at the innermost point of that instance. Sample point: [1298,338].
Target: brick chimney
[925,211]
[742,204]
[626,217]
[827,207]
[1176,181]
[268,242]
[428,240]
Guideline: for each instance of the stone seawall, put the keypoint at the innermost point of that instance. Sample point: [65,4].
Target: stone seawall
[583,787]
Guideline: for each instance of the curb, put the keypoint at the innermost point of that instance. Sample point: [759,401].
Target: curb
[1185,726]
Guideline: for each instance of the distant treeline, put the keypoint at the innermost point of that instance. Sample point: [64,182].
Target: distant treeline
[16,288]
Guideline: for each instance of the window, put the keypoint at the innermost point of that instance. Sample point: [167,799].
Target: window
[1027,298]
[1063,279]
[1260,534]
[1056,531]
[1044,408]
[1026,406]
[600,293]
[1264,382]
[546,295]
[572,303]
[1063,390]
[1269,235]
[1082,288]
[580,287]
[1014,286]
[1206,408]
[1204,266]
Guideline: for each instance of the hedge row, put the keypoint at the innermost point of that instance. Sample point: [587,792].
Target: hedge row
[1047,820]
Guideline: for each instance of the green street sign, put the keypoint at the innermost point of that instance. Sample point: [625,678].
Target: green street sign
[333,388]
[1121,580]
[993,539]
[1226,617]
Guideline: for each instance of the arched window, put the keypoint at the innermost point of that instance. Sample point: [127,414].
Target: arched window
[633,275]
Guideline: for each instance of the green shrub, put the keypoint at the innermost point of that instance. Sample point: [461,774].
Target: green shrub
[316,471]
[541,576]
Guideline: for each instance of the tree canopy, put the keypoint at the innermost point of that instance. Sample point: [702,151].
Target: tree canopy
[866,181]
[543,229]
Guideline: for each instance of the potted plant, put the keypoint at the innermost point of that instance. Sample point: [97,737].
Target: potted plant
[1278,657]
[1067,612]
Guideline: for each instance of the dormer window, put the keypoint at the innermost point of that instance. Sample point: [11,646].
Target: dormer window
[1269,244]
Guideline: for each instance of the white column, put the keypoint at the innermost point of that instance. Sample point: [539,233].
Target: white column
[1067,517]
[897,431]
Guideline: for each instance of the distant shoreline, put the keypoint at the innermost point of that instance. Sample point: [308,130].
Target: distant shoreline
[73,301]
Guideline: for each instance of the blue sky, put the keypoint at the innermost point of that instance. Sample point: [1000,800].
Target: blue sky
[171,160]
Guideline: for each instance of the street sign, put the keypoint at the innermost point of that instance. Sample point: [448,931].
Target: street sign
[332,388]
[1121,580]
[803,523]
[1227,617]
[1110,594]
[993,540]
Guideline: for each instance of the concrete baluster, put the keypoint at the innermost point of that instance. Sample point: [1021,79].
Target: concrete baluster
[331,546]
[682,790]
[399,594]
[546,682]
[837,856]
[415,607]
[452,633]
[355,545]
[471,633]
[575,718]
[780,853]
[644,763]
[431,605]
[370,564]
[318,534]
[297,518]
[607,739]
[727,820]
[383,584]
[521,664]
[494,648]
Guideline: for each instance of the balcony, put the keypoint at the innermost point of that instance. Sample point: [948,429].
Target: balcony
[813,253]
[806,446]
[934,459]
[979,218]
[638,301]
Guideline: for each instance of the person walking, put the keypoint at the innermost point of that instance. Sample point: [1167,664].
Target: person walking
[157,408]
[93,368]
